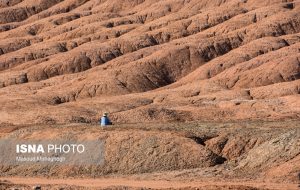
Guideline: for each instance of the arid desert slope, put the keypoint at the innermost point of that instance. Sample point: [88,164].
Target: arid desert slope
[149,60]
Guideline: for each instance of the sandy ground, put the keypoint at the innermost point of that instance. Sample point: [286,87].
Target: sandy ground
[160,184]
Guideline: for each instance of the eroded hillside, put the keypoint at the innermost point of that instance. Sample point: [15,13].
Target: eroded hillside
[239,155]
[144,60]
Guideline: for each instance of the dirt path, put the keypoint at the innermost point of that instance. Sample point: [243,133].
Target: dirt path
[160,184]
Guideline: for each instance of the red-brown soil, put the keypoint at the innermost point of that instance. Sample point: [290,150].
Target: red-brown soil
[241,156]
[234,64]
[121,183]
[147,60]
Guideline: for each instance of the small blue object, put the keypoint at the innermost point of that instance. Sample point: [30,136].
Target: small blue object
[104,121]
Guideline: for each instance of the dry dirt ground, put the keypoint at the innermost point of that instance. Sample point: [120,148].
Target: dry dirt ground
[236,155]
[121,183]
